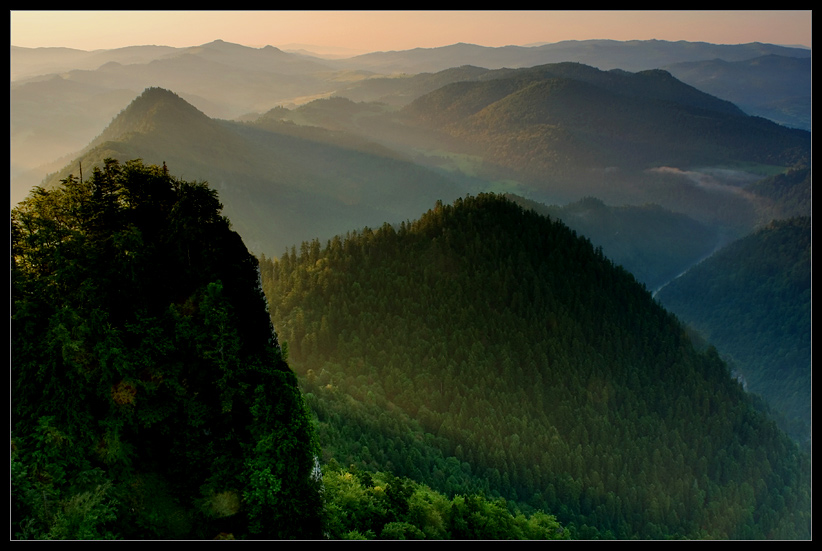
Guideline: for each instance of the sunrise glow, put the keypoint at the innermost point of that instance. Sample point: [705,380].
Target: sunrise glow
[365,31]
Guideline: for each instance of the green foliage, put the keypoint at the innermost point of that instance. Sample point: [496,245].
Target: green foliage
[363,505]
[487,350]
[142,353]
[55,494]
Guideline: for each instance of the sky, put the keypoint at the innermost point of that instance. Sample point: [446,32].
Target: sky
[367,31]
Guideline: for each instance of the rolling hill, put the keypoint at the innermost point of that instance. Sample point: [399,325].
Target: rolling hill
[560,132]
[559,118]
[553,134]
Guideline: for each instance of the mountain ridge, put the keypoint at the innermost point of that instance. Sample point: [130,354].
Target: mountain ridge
[604,54]
[523,112]
[279,186]
[596,126]
[771,86]
[42,130]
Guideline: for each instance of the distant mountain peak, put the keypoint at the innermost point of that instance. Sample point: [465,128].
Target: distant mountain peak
[155,98]
[153,107]
[219,45]
[218,42]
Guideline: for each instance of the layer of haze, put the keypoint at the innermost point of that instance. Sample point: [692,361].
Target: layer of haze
[367,31]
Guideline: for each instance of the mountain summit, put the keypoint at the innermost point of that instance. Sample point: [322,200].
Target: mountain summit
[156,109]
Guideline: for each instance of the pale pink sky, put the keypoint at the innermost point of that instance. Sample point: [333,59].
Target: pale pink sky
[399,30]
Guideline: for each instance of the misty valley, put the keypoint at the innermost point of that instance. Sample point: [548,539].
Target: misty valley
[550,292]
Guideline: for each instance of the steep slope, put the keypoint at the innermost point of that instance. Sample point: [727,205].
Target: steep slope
[485,346]
[752,300]
[150,397]
[279,186]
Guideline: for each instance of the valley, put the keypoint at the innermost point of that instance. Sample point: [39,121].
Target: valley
[500,272]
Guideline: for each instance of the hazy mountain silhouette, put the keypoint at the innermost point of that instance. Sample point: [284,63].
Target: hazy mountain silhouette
[50,121]
[630,55]
[573,130]
[556,130]
[278,187]
[774,87]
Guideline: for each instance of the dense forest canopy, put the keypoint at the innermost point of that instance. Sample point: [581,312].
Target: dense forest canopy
[365,505]
[521,361]
[149,395]
[151,398]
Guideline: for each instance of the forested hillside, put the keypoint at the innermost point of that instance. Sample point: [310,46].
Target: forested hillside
[486,346]
[151,398]
[752,300]
[149,395]
[558,118]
